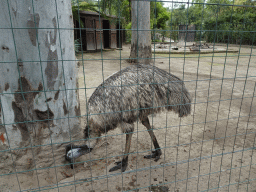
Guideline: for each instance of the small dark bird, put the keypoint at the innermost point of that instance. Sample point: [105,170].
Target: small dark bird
[130,94]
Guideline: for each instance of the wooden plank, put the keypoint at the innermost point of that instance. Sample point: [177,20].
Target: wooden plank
[99,35]
[90,35]
[113,36]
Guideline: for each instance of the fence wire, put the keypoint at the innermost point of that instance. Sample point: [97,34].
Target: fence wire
[209,45]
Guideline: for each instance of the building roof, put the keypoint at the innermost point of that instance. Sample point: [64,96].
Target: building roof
[84,13]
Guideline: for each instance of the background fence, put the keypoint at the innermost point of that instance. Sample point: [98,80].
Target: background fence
[212,149]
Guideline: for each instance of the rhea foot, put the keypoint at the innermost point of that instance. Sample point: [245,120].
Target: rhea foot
[120,165]
[155,154]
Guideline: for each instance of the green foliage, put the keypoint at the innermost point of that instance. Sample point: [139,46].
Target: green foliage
[128,28]
[217,21]
[82,6]
[156,40]
[85,6]
[233,25]
[159,17]
[119,8]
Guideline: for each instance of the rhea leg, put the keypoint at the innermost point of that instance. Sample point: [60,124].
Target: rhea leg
[126,128]
[157,153]
[124,163]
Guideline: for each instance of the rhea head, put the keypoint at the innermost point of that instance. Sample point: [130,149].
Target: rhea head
[75,151]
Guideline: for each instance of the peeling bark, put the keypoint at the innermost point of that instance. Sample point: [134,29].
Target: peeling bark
[51,70]
[32,24]
[19,119]
[44,115]
[65,108]
[77,111]
[56,96]
[4,48]
[6,86]
[142,52]
[33,113]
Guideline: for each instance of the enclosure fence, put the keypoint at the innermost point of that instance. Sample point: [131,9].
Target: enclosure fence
[63,64]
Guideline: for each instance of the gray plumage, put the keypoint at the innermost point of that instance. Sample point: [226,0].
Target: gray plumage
[137,91]
[134,93]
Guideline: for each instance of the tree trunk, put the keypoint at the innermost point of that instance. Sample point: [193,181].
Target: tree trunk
[38,79]
[141,36]
[130,10]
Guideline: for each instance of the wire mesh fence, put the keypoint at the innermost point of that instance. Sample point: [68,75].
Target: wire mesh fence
[71,75]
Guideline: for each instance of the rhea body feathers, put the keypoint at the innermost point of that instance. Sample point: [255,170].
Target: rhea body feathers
[130,94]
[137,91]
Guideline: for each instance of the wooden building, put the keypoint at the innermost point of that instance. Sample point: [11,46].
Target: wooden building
[98,32]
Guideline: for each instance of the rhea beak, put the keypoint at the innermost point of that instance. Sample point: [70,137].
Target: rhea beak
[75,151]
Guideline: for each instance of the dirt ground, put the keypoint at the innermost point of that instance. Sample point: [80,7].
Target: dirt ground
[213,149]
